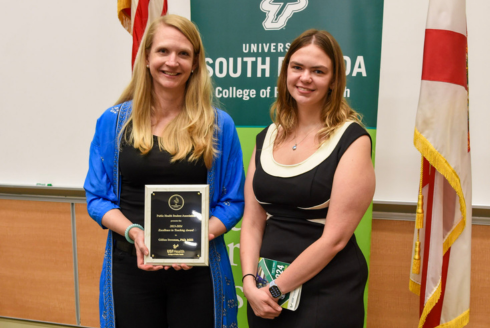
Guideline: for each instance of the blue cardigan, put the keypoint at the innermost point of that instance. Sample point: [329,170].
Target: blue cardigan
[225,179]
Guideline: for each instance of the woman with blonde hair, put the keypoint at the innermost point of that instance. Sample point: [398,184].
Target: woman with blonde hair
[309,182]
[164,130]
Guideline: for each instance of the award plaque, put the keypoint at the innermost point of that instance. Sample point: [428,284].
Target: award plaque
[176,224]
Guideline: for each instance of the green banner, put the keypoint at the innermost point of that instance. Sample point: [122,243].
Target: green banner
[245,44]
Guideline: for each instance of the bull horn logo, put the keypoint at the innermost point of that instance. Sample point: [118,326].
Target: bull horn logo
[279,12]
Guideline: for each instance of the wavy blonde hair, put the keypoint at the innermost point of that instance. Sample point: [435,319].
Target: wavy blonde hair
[190,134]
[284,111]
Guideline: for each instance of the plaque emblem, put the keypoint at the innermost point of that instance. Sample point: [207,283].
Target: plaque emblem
[176,202]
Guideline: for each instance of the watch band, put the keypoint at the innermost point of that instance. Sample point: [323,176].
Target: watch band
[274,289]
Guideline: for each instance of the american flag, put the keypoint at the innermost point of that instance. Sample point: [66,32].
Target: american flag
[136,15]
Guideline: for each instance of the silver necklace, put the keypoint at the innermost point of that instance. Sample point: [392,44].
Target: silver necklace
[297,143]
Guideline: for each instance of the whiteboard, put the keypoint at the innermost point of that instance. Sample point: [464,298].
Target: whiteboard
[62,64]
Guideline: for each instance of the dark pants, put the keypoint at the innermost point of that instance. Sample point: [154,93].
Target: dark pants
[162,298]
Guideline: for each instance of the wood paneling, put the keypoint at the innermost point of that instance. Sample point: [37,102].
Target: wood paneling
[11,323]
[480,277]
[37,281]
[91,240]
[390,302]
[36,261]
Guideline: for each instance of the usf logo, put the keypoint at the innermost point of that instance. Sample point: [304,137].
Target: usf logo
[280,11]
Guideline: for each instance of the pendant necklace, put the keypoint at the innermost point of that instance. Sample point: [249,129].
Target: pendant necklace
[297,143]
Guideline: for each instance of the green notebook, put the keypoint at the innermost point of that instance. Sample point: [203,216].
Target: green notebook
[268,270]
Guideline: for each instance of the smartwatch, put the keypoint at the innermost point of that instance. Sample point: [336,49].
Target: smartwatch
[274,289]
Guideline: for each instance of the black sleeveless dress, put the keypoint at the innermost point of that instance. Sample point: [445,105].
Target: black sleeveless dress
[296,199]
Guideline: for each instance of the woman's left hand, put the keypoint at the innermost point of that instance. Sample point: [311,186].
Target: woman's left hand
[262,302]
[178,267]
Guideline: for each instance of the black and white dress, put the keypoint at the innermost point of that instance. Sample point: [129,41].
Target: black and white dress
[296,199]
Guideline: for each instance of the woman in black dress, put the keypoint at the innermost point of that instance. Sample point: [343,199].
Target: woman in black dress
[310,180]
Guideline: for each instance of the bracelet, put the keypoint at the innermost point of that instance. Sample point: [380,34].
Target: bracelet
[248,274]
[126,234]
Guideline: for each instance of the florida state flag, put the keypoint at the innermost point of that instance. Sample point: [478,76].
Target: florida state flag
[135,16]
[442,241]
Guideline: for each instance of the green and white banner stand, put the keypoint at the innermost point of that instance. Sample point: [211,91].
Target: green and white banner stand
[245,44]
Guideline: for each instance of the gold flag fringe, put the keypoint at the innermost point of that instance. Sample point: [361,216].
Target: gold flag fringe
[443,167]
[123,18]
[453,235]
[460,321]
[429,305]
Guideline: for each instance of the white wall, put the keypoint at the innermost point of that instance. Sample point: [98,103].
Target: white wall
[62,65]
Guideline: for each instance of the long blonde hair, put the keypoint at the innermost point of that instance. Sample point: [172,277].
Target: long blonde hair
[335,111]
[191,132]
